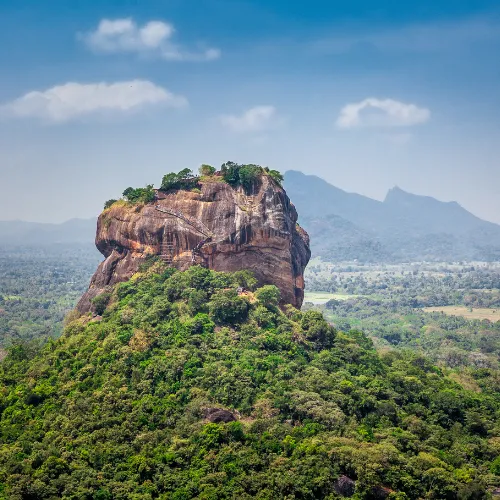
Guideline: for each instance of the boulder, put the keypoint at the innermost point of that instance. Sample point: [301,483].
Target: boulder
[218,415]
[344,486]
[216,226]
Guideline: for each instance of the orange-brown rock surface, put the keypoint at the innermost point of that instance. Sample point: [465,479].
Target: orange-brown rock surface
[221,227]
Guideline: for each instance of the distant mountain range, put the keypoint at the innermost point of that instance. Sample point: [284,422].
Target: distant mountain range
[342,226]
[347,226]
[73,231]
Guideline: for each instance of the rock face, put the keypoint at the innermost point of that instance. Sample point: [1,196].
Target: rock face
[220,227]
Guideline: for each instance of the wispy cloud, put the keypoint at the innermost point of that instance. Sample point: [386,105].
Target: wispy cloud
[373,112]
[73,100]
[255,119]
[154,38]
[425,37]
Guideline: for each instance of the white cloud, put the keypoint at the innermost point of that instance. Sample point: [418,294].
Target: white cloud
[153,38]
[374,112]
[73,100]
[255,119]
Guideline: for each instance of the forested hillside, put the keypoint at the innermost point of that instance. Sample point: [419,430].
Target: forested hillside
[449,312]
[184,387]
[39,285]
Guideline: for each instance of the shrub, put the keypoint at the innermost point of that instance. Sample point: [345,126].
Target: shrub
[109,203]
[495,466]
[100,303]
[149,262]
[200,324]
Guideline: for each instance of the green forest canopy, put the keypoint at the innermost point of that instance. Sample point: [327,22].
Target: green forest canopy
[120,408]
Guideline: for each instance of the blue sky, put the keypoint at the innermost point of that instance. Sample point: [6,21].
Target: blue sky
[97,96]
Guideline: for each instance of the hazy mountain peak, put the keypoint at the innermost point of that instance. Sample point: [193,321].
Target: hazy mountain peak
[408,225]
[396,193]
[299,178]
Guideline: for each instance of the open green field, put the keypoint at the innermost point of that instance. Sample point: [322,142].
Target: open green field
[467,312]
[324,297]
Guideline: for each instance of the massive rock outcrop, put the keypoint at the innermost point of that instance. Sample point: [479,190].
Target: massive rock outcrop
[218,226]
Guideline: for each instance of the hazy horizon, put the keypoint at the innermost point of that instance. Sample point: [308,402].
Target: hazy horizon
[98,97]
[350,192]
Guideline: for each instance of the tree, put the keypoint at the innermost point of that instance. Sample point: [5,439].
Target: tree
[268,295]
[140,195]
[182,180]
[226,307]
[243,175]
[185,174]
[127,193]
[148,194]
[169,181]
[245,279]
[263,316]
[206,170]
[230,173]
[248,175]
[317,330]
[277,176]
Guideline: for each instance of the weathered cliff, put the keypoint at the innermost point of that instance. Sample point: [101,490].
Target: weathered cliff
[221,227]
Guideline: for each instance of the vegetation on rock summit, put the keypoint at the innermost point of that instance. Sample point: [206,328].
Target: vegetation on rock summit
[232,173]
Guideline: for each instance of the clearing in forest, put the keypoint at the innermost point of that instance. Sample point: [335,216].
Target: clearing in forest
[467,312]
[324,297]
